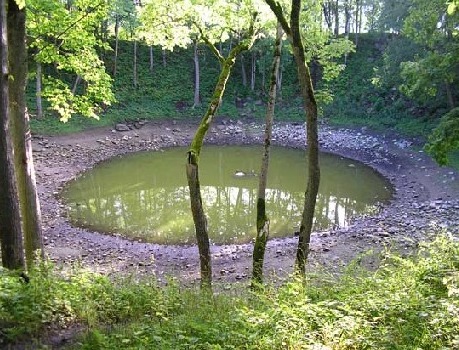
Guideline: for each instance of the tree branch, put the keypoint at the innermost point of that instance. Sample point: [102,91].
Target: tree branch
[278,12]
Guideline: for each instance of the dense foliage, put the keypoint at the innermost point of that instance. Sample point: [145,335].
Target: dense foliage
[400,77]
[407,303]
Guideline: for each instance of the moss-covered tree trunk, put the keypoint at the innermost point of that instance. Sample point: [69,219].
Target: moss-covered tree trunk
[192,167]
[262,219]
[312,139]
[10,220]
[20,132]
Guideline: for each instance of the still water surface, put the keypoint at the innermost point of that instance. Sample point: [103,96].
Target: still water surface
[144,196]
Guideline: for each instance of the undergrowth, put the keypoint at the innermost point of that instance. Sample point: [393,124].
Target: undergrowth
[167,91]
[407,303]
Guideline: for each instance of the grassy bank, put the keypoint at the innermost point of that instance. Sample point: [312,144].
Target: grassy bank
[407,303]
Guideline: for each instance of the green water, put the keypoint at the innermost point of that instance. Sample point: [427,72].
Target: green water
[144,196]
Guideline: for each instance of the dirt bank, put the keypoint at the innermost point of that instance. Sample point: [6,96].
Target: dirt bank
[425,198]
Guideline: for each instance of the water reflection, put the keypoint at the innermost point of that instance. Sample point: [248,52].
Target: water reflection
[144,196]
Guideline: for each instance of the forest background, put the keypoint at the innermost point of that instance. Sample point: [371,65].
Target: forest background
[401,78]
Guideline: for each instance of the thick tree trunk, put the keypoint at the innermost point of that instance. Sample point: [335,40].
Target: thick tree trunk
[262,219]
[20,131]
[310,104]
[39,100]
[196,101]
[192,167]
[10,219]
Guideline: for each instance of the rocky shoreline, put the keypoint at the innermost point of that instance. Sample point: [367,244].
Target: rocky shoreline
[425,200]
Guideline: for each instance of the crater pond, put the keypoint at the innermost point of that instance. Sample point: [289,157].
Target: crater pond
[144,196]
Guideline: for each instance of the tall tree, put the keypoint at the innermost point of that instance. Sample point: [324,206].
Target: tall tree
[435,72]
[192,167]
[66,42]
[336,11]
[294,35]
[10,220]
[20,131]
[445,138]
[262,222]
[122,13]
[177,24]
[327,8]
[393,14]
[372,13]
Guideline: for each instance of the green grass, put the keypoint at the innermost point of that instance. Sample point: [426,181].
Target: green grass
[407,303]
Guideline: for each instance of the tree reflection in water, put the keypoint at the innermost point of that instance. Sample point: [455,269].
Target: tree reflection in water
[144,196]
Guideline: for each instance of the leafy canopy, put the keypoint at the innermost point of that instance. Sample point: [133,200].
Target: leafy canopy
[67,45]
[178,24]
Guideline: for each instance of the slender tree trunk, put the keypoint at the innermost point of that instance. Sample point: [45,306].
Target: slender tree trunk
[164,58]
[263,73]
[347,18]
[196,101]
[104,31]
[450,95]
[327,12]
[10,219]
[262,219]
[151,59]
[75,84]
[253,70]
[134,68]
[336,10]
[347,23]
[279,82]
[192,167]
[312,143]
[310,104]
[115,63]
[243,71]
[357,21]
[20,131]
[38,97]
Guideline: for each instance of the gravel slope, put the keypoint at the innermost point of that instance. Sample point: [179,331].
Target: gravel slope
[425,199]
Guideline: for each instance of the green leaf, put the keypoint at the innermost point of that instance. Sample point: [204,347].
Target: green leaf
[21,4]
